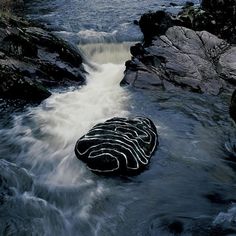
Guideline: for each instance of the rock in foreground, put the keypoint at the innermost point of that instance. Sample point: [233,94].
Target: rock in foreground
[118,146]
[194,60]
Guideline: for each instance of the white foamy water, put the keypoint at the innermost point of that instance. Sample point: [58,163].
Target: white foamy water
[64,192]
[106,53]
[50,131]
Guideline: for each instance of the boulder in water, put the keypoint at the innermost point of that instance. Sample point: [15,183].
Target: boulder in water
[118,146]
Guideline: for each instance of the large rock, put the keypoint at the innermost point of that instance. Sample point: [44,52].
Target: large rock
[33,60]
[155,23]
[196,61]
[215,16]
[232,108]
[197,19]
[118,146]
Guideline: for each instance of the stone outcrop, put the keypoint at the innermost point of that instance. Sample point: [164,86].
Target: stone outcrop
[155,24]
[119,146]
[215,16]
[196,61]
[32,60]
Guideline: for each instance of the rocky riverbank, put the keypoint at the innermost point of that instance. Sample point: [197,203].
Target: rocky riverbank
[194,51]
[194,60]
[173,55]
[33,60]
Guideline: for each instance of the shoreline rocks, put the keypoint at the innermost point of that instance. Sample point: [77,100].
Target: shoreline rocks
[119,146]
[155,24]
[196,61]
[224,14]
[191,58]
[33,60]
[216,17]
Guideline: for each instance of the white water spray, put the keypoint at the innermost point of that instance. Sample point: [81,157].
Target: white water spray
[50,131]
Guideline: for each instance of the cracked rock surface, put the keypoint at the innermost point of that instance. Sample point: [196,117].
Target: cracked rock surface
[33,60]
[194,60]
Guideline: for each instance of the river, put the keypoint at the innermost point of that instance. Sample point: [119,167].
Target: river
[189,187]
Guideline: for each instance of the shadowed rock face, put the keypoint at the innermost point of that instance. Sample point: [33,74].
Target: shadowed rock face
[33,60]
[155,24]
[232,109]
[13,6]
[215,16]
[118,146]
[196,61]
[227,6]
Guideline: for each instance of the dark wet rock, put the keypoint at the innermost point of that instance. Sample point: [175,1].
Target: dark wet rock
[176,227]
[232,108]
[155,23]
[32,60]
[224,9]
[119,146]
[197,19]
[196,61]
[215,16]
[217,198]
[136,22]
[12,6]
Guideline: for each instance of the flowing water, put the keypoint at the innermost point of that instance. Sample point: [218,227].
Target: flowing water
[45,190]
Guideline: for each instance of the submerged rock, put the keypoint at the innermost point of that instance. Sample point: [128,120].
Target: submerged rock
[118,146]
[33,60]
[196,61]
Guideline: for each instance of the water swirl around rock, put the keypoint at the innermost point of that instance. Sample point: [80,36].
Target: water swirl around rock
[118,146]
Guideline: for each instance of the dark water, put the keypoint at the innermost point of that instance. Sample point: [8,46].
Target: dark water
[189,187]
